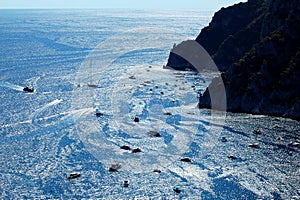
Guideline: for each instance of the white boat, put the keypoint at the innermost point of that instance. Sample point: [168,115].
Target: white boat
[92,85]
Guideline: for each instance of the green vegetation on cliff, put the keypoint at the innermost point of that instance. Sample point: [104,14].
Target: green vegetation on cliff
[257,46]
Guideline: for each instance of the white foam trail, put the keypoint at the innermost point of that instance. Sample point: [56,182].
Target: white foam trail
[55,102]
[40,110]
[72,114]
[12,86]
[76,114]
[15,124]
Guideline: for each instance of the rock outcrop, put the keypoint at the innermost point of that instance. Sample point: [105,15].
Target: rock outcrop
[257,46]
[225,32]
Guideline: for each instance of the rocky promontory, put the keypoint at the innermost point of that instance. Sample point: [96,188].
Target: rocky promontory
[256,45]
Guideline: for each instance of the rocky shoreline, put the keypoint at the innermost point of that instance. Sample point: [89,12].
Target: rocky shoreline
[256,46]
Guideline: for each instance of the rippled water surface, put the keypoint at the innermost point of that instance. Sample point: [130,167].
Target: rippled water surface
[48,134]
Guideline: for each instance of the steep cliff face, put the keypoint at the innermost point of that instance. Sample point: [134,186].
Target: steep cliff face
[257,46]
[226,33]
[265,80]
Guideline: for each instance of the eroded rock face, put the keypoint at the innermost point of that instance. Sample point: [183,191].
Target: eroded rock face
[227,31]
[265,80]
[222,35]
[257,46]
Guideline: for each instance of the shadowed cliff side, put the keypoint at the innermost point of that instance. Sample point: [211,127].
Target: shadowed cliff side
[224,32]
[259,53]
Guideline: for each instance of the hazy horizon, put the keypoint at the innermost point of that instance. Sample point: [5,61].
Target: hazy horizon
[127,4]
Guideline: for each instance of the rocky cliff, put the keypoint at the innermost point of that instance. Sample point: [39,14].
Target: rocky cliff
[257,46]
[225,31]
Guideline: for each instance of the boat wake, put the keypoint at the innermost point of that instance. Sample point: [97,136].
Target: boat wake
[36,116]
[12,86]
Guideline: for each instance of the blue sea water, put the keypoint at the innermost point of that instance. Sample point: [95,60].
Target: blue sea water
[53,132]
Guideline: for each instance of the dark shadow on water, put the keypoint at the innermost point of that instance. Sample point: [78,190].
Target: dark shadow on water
[178,176]
[229,188]
[167,137]
[225,127]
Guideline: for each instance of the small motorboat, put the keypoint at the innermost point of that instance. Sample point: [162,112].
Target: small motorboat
[136,150]
[125,147]
[154,134]
[177,189]
[232,157]
[126,184]
[132,77]
[257,131]
[92,85]
[28,89]
[98,113]
[114,167]
[254,145]
[279,138]
[294,144]
[224,139]
[136,119]
[74,175]
[186,160]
